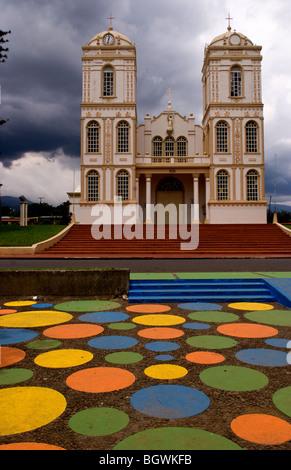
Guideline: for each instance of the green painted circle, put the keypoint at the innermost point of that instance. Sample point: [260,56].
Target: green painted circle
[211,342]
[124,357]
[271,317]
[44,344]
[98,421]
[177,438]
[14,376]
[86,306]
[234,378]
[282,400]
[121,326]
[214,317]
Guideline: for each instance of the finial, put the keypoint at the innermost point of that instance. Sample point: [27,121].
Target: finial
[170,100]
[229,19]
[111,18]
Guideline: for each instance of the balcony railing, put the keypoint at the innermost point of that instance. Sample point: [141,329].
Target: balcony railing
[165,160]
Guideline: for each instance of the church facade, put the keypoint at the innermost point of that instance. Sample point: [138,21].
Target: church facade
[169,160]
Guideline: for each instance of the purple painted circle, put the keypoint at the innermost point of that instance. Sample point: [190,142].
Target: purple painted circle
[169,401]
[263,357]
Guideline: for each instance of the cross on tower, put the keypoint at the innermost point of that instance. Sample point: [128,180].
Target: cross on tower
[170,94]
[111,18]
[229,19]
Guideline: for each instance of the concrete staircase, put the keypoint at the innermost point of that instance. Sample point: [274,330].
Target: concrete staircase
[215,241]
[212,290]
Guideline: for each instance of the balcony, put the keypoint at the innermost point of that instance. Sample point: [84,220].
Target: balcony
[165,161]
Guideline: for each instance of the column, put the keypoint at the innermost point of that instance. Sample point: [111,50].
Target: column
[138,219]
[148,198]
[196,199]
[207,197]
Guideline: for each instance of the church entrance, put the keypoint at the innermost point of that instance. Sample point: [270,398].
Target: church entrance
[169,194]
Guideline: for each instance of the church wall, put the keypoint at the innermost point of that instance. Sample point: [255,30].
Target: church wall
[238,214]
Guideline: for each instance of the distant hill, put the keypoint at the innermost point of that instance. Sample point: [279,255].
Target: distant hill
[280,207]
[12,202]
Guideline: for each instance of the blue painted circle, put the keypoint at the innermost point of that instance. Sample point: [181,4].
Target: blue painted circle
[263,357]
[162,346]
[16,335]
[42,305]
[200,306]
[112,342]
[170,401]
[104,317]
[279,342]
[196,326]
[164,357]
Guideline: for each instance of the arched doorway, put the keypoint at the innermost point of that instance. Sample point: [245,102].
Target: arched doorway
[170,194]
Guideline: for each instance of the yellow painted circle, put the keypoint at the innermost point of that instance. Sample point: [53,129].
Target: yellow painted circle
[159,320]
[165,371]
[63,358]
[250,306]
[23,409]
[34,319]
[20,303]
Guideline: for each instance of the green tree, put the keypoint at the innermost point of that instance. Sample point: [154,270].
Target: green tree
[3,56]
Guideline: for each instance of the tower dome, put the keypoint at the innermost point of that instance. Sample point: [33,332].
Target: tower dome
[110,37]
[231,38]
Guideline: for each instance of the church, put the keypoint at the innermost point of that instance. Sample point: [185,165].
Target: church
[170,160]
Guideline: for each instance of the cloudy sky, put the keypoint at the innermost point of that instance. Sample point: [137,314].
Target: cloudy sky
[41,80]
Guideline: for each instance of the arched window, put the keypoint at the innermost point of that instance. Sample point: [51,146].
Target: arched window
[93,137]
[108,81]
[222,185]
[93,186]
[157,146]
[235,81]
[123,185]
[123,137]
[222,137]
[170,183]
[169,147]
[252,185]
[181,149]
[251,137]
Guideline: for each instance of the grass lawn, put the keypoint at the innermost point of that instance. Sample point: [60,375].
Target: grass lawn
[14,235]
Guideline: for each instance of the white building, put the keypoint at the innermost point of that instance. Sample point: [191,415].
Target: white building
[170,159]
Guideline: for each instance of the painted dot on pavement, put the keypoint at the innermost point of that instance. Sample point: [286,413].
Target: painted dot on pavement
[279,342]
[121,326]
[13,376]
[250,306]
[263,357]
[29,446]
[200,306]
[211,342]
[124,357]
[24,409]
[87,305]
[148,308]
[205,357]
[164,357]
[282,400]
[234,378]
[5,311]
[169,401]
[16,335]
[214,317]
[247,330]
[159,320]
[62,358]
[262,429]
[100,379]
[34,319]
[98,421]
[112,342]
[9,356]
[20,303]
[160,333]
[44,344]
[74,330]
[104,317]
[176,438]
[272,317]
[196,326]
[42,305]
[162,346]
[165,371]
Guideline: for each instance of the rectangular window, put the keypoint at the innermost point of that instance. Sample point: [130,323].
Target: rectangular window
[108,83]
[236,88]
[222,137]
[123,138]
[182,150]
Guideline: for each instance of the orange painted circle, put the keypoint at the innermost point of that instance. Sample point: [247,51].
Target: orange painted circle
[262,429]
[9,356]
[247,330]
[205,357]
[73,331]
[100,379]
[6,311]
[160,333]
[29,446]
[148,308]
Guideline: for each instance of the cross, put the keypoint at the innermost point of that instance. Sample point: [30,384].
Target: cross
[111,18]
[170,93]
[229,18]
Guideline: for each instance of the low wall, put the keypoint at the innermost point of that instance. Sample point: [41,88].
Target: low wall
[97,282]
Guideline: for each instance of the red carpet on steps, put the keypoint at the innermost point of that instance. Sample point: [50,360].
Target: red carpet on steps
[215,241]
